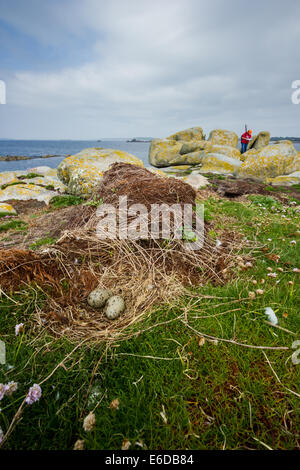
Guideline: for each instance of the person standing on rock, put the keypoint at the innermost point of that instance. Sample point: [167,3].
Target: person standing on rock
[245,139]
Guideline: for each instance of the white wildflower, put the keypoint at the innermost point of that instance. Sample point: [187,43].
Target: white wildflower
[89,422]
[79,445]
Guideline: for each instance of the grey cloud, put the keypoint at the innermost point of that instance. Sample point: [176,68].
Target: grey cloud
[161,66]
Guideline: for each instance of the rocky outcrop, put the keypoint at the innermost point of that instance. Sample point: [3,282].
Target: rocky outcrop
[43,176]
[223,137]
[247,154]
[227,150]
[285,180]
[7,177]
[24,192]
[219,164]
[166,152]
[193,133]
[259,141]
[83,171]
[271,161]
[47,181]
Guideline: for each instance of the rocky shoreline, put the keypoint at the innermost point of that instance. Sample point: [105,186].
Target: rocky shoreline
[12,158]
[186,155]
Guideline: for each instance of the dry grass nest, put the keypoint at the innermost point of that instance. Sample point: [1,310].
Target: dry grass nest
[146,273]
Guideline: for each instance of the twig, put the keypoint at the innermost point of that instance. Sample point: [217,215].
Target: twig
[235,342]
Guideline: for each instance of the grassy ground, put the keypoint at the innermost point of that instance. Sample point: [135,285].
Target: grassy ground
[177,387]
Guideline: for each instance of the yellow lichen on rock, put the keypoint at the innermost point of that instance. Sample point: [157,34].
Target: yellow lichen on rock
[219,164]
[247,154]
[227,150]
[193,133]
[223,137]
[164,152]
[273,160]
[83,171]
[7,177]
[259,141]
[7,209]
[46,181]
[24,192]
[285,180]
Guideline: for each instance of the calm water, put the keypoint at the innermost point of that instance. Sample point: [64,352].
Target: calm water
[63,148]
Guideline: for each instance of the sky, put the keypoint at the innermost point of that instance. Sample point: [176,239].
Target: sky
[92,69]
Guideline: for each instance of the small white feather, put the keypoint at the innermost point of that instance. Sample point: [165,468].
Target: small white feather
[271,315]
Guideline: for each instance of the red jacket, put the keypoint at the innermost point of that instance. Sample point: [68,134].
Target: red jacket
[246,137]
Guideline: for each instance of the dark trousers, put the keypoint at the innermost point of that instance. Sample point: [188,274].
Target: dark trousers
[244,148]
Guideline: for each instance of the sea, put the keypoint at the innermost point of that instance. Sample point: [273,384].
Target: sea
[35,149]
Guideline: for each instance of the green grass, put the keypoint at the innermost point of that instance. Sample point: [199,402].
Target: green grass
[30,176]
[58,202]
[215,395]
[41,242]
[6,185]
[18,225]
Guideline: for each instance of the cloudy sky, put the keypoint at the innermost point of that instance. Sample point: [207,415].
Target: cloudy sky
[87,69]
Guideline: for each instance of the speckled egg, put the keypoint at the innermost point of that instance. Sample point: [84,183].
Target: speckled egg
[115,307]
[98,297]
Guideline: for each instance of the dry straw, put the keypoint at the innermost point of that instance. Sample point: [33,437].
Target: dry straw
[145,272]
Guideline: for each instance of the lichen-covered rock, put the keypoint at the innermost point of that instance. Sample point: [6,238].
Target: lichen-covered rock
[193,133]
[285,180]
[247,154]
[45,181]
[223,137]
[98,297]
[83,171]
[165,152]
[115,306]
[271,161]
[7,177]
[219,164]
[227,150]
[259,141]
[42,170]
[7,209]
[24,192]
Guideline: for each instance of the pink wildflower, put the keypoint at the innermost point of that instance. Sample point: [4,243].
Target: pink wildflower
[3,390]
[34,394]
[11,387]
[19,328]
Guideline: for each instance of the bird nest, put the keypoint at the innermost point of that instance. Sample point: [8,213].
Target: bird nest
[146,272]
